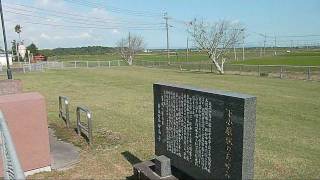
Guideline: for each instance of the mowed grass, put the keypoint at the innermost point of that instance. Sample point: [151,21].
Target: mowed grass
[252,57]
[174,57]
[287,128]
[294,60]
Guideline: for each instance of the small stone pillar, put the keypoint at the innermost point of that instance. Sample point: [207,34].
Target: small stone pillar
[162,166]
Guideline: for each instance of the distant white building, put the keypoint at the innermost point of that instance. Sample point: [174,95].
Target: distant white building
[3,59]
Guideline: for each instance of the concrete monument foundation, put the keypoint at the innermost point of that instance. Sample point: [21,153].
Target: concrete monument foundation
[26,118]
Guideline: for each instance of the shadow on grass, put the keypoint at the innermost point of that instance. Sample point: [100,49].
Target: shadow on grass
[132,159]
[197,72]
[85,137]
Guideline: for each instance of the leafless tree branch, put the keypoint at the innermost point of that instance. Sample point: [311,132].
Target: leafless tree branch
[216,39]
[129,46]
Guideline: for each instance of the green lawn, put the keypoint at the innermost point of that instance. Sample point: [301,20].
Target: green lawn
[180,56]
[121,98]
[294,60]
[252,56]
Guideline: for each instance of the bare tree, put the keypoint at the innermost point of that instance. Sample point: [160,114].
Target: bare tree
[216,39]
[128,47]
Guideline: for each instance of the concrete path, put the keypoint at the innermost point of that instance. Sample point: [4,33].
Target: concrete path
[63,154]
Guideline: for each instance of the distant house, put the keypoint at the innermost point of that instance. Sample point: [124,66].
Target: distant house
[39,58]
[3,59]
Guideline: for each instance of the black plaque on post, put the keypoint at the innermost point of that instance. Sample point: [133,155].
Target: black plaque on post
[206,134]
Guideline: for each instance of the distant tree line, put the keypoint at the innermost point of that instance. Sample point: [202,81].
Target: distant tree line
[90,50]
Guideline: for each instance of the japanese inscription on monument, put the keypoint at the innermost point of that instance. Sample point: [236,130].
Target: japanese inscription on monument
[206,134]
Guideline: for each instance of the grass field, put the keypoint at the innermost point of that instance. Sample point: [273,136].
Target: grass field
[287,128]
[252,56]
[181,56]
[284,60]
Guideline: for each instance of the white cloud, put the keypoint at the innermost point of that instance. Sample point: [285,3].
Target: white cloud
[236,21]
[84,35]
[45,36]
[50,3]
[97,12]
[61,36]
[48,37]
[115,31]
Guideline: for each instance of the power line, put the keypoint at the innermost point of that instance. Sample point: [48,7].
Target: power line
[285,36]
[23,12]
[151,13]
[73,15]
[84,27]
[84,22]
[297,36]
[114,9]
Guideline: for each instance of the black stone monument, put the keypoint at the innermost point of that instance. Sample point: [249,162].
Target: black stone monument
[206,134]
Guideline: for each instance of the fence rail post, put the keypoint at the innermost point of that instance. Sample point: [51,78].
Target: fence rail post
[109,64]
[259,70]
[309,73]
[281,72]
[118,62]
[75,64]
[87,64]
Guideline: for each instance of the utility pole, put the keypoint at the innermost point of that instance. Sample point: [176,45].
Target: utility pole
[15,43]
[129,42]
[243,51]
[17,51]
[275,45]
[243,45]
[187,48]
[129,48]
[264,44]
[167,27]
[9,73]
[235,53]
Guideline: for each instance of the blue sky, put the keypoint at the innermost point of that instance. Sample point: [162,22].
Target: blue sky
[273,17]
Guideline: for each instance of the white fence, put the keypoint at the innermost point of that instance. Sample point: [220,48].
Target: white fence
[42,66]
[276,71]
[93,64]
[280,71]
[71,64]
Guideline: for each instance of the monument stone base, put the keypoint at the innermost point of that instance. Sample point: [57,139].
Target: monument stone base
[158,168]
[26,117]
[39,170]
[10,87]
